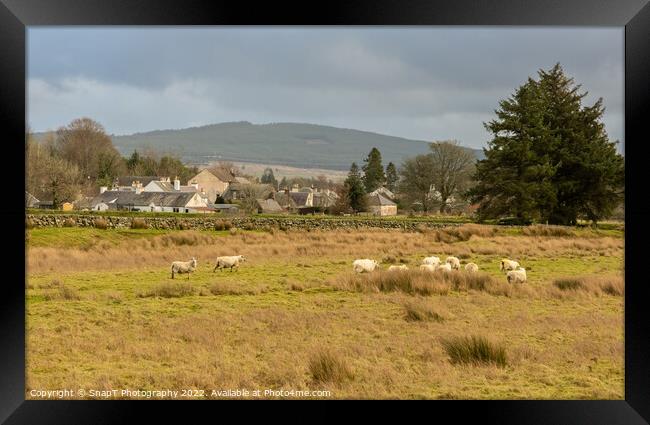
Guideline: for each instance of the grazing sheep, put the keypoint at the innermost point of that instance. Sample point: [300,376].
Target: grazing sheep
[454,262]
[434,261]
[428,267]
[231,262]
[364,265]
[471,267]
[517,276]
[402,267]
[444,267]
[507,265]
[184,267]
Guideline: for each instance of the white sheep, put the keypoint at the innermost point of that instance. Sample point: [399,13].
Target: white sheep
[398,268]
[454,262]
[231,262]
[428,267]
[434,261]
[471,267]
[364,265]
[444,267]
[517,276]
[184,267]
[507,265]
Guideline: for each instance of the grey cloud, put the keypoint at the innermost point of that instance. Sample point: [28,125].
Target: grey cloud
[417,82]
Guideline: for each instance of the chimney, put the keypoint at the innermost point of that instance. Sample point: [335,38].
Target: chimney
[138,188]
[177,183]
[295,188]
[195,185]
[103,189]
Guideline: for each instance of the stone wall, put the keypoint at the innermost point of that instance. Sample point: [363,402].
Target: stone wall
[214,223]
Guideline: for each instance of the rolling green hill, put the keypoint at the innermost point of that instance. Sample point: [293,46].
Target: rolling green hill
[300,145]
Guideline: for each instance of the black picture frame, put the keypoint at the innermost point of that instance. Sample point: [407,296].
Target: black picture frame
[634,15]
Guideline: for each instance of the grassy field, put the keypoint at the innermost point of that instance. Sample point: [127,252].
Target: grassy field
[103,313]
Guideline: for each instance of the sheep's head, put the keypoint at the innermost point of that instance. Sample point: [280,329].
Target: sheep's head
[242,258]
[194,261]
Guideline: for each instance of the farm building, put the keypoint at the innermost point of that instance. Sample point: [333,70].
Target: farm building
[293,200]
[380,205]
[383,191]
[184,202]
[128,182]
[237,191]
[30,200]
[213,183]
[268,206]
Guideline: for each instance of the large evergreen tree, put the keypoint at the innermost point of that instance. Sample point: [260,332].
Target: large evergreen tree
[354,189]
[550,158]
[391,177]
[373,171]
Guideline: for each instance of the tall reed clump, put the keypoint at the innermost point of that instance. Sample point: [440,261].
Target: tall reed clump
[139,223]
[421,282]
[595,285]
[476,350]
[328,367]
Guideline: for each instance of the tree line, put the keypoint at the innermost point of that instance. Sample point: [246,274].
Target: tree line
[549,160]
[79,158]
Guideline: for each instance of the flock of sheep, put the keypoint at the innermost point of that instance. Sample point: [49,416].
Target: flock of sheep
[187,267]
[514,272]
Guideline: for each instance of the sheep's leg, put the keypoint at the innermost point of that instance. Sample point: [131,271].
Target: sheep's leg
[215,268]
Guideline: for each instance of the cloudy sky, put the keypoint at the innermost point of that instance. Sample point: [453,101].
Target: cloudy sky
[426,83]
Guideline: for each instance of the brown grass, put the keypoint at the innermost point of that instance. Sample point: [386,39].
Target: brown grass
[595,285]
[169,290]
[420,282]
[294,246]
[62,292]
[328,367]
[462,233]
[69,222]
[421,311]
[476,350]
[230,288]
[548,230]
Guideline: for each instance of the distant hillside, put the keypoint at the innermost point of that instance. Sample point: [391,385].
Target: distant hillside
[293,144]
[300,145]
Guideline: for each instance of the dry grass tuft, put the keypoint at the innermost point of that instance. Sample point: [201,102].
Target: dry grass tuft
[463,233]
[327,367]
[139,223]
[595,285]
[101,223]
[421,282]
[29,223]
[169,290]
[548,230]
[421,311]
[230,288]
[63,292]
[476,350]
[69,222]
